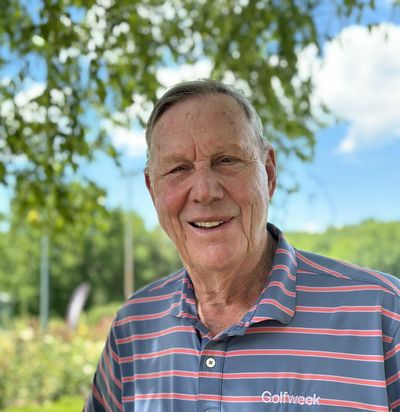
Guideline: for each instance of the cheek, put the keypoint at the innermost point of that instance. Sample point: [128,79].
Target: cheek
[168,202]
[252,197]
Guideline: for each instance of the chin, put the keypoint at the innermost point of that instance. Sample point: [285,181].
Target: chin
[215,262]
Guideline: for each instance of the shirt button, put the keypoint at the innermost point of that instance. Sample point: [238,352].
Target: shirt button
[210,362]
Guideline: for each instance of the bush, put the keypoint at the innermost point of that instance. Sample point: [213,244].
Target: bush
[36,369]
[98,315]
[63,405]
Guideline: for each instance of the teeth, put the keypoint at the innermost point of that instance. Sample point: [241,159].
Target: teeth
[207,224]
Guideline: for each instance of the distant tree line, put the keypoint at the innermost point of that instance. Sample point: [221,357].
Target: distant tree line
[372,244]
[92,251]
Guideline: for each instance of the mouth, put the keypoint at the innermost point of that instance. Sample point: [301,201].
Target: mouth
[208,225]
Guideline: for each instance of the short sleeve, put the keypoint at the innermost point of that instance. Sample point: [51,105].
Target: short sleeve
[392,368]
[106,393]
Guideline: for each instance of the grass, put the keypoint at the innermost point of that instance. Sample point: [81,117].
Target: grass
[63,405]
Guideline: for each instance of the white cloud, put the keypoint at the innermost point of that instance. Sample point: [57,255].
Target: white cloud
[169,76]
[133,142]
[359,80]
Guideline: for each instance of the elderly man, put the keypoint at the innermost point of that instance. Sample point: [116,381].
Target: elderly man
[250,323]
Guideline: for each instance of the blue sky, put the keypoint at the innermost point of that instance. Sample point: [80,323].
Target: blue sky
[356,170]
[336,189]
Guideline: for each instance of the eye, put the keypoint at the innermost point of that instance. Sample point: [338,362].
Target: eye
[177,169]
[227,160]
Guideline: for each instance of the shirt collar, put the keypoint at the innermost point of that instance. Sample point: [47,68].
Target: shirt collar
[277,300]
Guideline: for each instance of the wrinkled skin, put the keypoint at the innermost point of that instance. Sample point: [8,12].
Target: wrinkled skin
[206,165]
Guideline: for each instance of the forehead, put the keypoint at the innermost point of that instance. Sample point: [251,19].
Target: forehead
[216,119]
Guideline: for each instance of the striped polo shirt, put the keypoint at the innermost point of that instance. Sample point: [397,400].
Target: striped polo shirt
[323,336]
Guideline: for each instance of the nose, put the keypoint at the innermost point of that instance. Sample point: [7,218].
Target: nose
[205,187]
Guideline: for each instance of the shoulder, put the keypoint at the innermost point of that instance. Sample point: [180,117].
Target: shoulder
[154,297]
[345,272]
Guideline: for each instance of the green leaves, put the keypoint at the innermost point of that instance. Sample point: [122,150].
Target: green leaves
[88,60]
[369,244]
[87,245]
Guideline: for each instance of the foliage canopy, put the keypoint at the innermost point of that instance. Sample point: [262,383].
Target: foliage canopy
[87,251]
[70,67]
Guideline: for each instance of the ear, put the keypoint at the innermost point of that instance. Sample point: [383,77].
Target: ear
[270,167]
[148,183]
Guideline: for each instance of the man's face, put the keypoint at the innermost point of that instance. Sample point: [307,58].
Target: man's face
[211,183]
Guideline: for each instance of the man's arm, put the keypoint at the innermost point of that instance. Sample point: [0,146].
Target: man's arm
[392,368]
[106,393]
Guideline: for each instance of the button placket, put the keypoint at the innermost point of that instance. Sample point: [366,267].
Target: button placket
[210,381]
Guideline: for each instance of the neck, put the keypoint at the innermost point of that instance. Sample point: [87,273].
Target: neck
[223,298]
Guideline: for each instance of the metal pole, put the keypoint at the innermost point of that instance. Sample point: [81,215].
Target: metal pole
[44,282]
[129,260]
[129,280]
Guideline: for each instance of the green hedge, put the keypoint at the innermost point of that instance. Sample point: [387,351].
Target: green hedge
[37,370]
[63,405]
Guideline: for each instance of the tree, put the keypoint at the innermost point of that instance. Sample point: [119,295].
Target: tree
[371,244]
[69,67]
[88,249]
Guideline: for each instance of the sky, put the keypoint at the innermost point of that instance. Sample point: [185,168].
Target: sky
[356,170]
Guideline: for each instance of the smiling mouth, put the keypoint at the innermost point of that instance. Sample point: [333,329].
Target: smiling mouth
[207,225]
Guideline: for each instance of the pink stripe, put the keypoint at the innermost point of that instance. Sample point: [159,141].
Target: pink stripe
[355,405]
[110,371]
[152,335]
[163,374]
[282,287]
[286,270]
[113,355]
[278,305]
[135,300]
[362,309]
[257,319]
[195,398]
[296,352]
[165,352]
[288,253]
[375,274]
[109,390]
[387,339]
[167,395]
[317,331]
[323,268]
[357,288]
[150,316]
[395,404]
[177,276]
[393,378]
[100,399]
[295,375]
[334,309]
[235,399]
[390,314]
[392,352]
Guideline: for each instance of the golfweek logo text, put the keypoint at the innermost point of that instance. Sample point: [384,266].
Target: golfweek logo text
[285,397]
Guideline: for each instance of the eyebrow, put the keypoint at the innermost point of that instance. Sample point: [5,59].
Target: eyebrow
[180,156]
